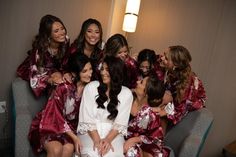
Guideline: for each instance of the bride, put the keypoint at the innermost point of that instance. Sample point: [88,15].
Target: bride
[104,112]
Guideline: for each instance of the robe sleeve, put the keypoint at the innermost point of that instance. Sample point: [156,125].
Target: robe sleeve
[53,116]
[124,107]
[38,76]
[86,114]
[193,99]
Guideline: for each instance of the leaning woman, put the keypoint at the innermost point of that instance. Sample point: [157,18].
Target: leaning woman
[54,128]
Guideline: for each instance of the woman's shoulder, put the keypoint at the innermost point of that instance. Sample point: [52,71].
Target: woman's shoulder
[65,86]
[126,91]
[92,84]
[131,61]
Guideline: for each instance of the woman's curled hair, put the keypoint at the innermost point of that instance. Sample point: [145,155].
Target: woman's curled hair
[116,71]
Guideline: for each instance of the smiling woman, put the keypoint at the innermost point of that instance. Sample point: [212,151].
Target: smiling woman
[104,112]
[117,46]
[54,128]
[89,42]
[43,64]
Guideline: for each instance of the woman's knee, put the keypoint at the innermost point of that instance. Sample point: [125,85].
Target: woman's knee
[68,149]
[54,148]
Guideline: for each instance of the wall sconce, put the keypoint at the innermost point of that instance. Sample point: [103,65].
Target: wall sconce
[131,15]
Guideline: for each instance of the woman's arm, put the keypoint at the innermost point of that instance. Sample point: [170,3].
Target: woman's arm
[76,141]
[96,140]
[131,142]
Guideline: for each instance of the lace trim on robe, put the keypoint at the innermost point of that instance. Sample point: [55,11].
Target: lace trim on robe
[83,128]
[120,128]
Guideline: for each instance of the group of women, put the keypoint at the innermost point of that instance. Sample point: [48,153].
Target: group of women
[103,102]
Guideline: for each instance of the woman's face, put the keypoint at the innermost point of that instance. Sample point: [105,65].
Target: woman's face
[145,67]
[140,89]
[92,35]
[122,53]
[86,73]
[106,79]
[58,33]
[166,60]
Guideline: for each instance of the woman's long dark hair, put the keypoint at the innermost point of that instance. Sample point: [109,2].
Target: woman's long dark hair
[42,39]
[146,55]
[114,44]
[76,64]
[80,40]
[116,68]
[155,90]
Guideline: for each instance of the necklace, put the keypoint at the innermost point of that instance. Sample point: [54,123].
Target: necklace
[52,52]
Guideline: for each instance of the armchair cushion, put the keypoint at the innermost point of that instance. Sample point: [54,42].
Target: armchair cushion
[26,107]
[188,136]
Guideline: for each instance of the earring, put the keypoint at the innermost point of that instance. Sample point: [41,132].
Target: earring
[49,40]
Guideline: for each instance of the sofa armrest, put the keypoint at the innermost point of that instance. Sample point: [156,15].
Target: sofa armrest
[26,106]
[187,137]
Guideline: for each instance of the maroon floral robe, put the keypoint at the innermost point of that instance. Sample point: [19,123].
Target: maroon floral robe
[147,125]
[59,116]
[132,73]
[96,58]
[156,69]
[38,75]
[193,99]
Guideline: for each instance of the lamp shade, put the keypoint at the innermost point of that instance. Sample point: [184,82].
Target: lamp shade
[131,15]
[132,6]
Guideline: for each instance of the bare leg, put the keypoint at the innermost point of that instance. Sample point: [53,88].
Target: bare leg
[53,149]
[164,123]
[68,150]
[145,154]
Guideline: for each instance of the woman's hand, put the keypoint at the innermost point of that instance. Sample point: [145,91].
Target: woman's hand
[105,146]
[76,140]
[68,77]
[55,78]
[97,147]
[78,145]
[129,143]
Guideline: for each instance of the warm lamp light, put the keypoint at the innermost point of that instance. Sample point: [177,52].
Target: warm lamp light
[131,15]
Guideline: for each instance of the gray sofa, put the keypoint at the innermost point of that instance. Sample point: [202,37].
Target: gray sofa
[26,107]
[186,139]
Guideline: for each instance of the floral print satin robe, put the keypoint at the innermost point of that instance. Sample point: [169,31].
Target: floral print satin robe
[132,73]
[59,115]
[147,125]
[193,99]
[38,76]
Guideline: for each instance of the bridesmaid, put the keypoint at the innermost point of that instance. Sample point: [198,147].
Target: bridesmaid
[145,134]
[89,42]
[117,46]
[186,89]
[42,68]
[54,128]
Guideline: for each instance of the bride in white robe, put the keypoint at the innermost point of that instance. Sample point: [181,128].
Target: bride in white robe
[94,127]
